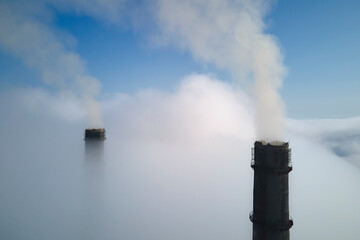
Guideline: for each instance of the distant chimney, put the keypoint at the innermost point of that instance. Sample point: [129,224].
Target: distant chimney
[94,143]
[94,204]
[270,216]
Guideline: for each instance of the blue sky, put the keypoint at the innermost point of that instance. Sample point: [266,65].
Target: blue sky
[321,51]
[177,156]
[319,40]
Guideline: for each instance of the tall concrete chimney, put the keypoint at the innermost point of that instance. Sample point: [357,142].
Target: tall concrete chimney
[94,144]
[270,216]
[94,205]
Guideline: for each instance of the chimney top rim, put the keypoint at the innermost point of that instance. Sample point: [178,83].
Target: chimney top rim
[272,143]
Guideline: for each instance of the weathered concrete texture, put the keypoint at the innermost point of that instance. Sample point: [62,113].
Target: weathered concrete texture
[95,134]
[270,216]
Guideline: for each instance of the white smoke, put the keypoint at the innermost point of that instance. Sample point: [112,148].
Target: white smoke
[231,34]
[26,32]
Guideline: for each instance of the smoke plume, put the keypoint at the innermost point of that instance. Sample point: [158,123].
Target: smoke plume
[231,35]
[26,33]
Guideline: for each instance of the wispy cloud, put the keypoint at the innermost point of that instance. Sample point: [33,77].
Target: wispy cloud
[228,34]
[27,32]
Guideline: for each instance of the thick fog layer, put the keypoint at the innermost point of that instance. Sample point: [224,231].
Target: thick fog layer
[177,166]
[341,136]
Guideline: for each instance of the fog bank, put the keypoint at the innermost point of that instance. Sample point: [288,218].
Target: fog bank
[177,166]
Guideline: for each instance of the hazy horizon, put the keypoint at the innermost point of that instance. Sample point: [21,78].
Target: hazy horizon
[183,89]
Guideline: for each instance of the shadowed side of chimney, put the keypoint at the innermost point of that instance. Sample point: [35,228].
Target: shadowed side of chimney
[270,216]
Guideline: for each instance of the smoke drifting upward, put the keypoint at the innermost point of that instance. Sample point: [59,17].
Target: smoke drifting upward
[231,35]
[25,33]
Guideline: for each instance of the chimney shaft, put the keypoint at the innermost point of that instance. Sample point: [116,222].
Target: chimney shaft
[94,204]
[94,143]
[270,216]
